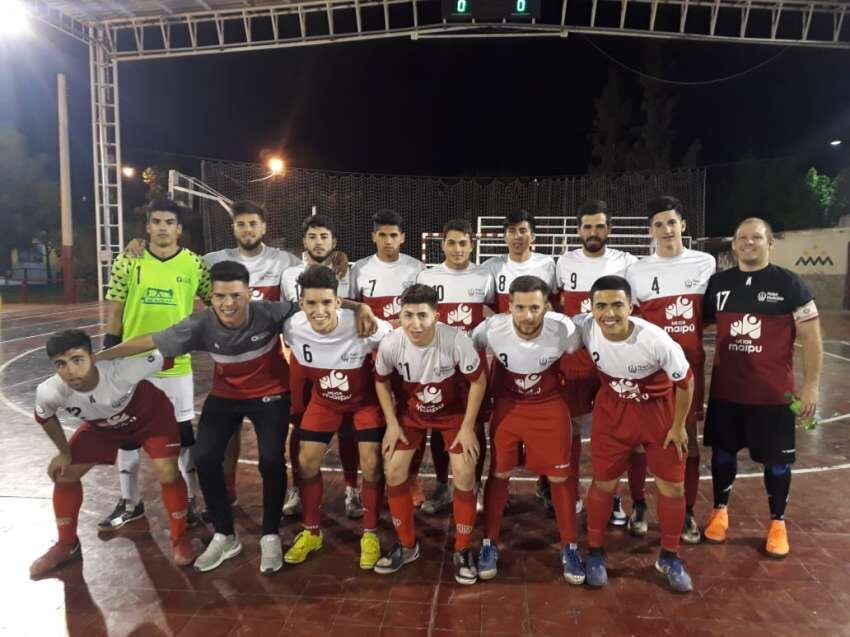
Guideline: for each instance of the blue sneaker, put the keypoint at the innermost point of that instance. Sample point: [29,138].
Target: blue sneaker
[573,568]
[597,574]
[488,560]
[674,569]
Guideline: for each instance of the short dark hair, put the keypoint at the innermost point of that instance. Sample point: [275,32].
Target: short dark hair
[594,207]
[247,208]
[164,204]
[60,342]
[660,204]
[529,283]
[516,217]
[230,271]
[612,282]
[419,293]
[318,221]
[458,225]
[318,277]
[387,217]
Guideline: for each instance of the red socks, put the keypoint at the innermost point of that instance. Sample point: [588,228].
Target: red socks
[67,500]
[691,480]
[637,475]
[599,506]
[495,498]
[311,491]
[440,457]
[671,518]
[463,507]
[564,503]
[174,497]
[401,509]
[371,493]
[349,455]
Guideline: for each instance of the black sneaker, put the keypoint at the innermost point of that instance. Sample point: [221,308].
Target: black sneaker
[396,558]
[192,516]
[123,513]
[618,515]
[465,571]
[543,491]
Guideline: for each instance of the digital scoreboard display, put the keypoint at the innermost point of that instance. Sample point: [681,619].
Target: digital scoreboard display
[491,10]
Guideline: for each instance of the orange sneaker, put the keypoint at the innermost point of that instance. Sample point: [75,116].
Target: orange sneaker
[182,551]
[777,540]
[417,493]
[57,555]
[718,524]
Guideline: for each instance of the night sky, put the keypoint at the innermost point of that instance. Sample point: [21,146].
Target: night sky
[474,107]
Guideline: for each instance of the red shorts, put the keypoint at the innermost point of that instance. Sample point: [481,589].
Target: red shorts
[621,425]
[415,436]
[543,428]
[580,393]
[322,418]
[159,438]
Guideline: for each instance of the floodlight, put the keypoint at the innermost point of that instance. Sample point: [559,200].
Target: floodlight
[128,171]
[835,142]
[276,165]
[13,18]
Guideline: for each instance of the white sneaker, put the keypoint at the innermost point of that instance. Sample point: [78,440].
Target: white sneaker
[221,547]
[353,504]
[271,554]
[292,503]
[579,505]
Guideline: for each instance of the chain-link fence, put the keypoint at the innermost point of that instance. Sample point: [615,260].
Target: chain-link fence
[426,203]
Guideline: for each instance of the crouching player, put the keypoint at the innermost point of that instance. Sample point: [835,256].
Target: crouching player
[117,406]
[429,376]
[646,391]
[329,356]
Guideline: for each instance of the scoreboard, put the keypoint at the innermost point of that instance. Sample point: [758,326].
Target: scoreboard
[491,10]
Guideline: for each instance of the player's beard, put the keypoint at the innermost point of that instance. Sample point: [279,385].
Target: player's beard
[528,331]
[319,260]
[250,247]
[594,243]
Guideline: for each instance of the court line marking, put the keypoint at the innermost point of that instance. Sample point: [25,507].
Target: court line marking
[844,358]
[80,327]
[79,308]
[17,409]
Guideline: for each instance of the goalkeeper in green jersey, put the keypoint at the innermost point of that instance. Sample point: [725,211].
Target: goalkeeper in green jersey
[149,294]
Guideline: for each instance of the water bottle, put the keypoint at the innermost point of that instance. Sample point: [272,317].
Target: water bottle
[796,405]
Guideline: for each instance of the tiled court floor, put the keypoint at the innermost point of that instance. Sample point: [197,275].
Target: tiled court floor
[127,585]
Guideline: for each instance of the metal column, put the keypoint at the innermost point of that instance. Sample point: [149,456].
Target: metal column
[106,147]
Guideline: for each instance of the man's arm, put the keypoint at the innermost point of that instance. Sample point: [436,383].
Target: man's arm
[366,322]
[808,333]
[132,347]
[62,460]
[466,437]
[114,324]
[684,394]
[394,432]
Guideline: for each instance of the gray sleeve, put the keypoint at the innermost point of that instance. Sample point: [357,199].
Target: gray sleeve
[183,337]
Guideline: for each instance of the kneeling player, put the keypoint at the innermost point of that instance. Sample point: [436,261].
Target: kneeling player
[117,406]
[528,409]
[638,364]
[328,354]
[437,379]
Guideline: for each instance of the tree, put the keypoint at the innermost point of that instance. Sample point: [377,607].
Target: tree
[29,197]
[612,148]
[832,195]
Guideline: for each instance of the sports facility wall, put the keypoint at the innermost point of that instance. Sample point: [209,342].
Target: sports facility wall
[426,203]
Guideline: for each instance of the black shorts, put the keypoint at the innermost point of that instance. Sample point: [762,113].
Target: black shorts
[766,430]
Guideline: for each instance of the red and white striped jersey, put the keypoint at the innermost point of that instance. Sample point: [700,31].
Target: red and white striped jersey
[378,284]
[642,367]
[338,364]
[463,294]
[526,370]
[266,269]
[669,292]
[577,273]
[110,404]
[291,291]
[431,381]
[505,270]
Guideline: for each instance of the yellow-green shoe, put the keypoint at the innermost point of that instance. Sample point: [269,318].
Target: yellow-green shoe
[370,551]
[305,543]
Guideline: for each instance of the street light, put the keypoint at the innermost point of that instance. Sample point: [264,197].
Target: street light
[13,19]
[835,143]
[128,171]
[276,165]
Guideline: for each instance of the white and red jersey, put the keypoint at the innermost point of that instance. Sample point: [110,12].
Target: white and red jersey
[527,370]
[431,381]
[265,270]
[641,368]
[291,291]
[576,274]
[122,397]
[378,284]
[338,365]
[505,270]
[249,362]
[463,294]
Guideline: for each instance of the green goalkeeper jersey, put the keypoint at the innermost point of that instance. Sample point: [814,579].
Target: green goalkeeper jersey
[157,293]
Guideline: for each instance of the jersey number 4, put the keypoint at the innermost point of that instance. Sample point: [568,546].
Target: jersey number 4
[655,287]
